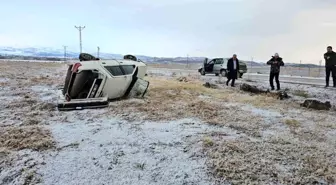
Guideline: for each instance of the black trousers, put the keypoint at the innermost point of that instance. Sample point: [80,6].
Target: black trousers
[232,76]
[276,76]
[332,70]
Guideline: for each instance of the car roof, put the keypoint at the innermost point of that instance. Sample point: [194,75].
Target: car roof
[209,59]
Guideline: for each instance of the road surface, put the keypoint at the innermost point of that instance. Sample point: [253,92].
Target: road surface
[251,76]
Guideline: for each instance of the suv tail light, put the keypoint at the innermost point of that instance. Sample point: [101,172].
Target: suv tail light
[76,66]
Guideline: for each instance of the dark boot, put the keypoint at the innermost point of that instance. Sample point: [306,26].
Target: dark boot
[233,83]
[228,81]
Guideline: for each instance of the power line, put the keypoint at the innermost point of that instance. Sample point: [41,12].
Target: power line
[65,54]
[80,28]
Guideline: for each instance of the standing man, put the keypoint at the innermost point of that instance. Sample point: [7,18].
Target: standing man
[275,63]
[233,68]
[330,65]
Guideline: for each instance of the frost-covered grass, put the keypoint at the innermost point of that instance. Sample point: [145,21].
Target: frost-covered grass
[180,133]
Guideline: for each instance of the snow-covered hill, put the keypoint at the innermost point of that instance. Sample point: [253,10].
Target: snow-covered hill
[59,53]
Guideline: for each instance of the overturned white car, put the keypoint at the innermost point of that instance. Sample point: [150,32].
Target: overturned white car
[92,83]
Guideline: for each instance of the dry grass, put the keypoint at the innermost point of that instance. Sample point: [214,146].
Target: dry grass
[301,93]
[208,142]
[277,161]
[40,79]
[171,99]
[292,123]
[25,137]
[3,84]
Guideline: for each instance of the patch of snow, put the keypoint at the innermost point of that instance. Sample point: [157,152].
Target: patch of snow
[39,88]
[3,79]
[269,115]
[20,168]
[46,93]
[112,151]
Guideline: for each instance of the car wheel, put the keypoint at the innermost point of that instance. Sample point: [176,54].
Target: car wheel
[202,72]
[223,73]
[241,75]
[216,74]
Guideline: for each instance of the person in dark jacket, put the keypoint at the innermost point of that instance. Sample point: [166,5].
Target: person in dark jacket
[330,65]
[233,68]
[275,63]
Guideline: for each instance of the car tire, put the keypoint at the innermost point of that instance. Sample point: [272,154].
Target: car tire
[223,73]
[202,72]
[216,74]
[241,75]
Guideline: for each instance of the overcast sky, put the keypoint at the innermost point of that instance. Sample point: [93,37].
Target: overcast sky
[296,29]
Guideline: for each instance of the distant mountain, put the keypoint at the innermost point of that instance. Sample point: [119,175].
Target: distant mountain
[47,53]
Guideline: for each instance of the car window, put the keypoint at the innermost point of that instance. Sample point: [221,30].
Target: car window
[128,69]
[212,61]
[114,70]
[219,61]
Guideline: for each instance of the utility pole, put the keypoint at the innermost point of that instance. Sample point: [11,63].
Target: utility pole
[65,54]
[187,60]
[80,28]
[98,49]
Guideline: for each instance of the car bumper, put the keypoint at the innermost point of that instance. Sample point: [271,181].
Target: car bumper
[242,71]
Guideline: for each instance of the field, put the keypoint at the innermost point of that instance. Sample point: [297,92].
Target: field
[180,133]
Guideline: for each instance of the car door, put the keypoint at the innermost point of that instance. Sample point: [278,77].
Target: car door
[218,65]
[209,66]
[118,82]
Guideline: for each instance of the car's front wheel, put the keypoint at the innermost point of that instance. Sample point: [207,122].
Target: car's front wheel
[240,75]
[202,72]
[223,73]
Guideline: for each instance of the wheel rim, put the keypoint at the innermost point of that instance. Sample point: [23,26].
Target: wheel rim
[223,73]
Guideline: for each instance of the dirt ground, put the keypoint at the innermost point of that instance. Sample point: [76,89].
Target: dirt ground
[180,133]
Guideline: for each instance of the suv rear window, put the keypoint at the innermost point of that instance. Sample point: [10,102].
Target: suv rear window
[114,70]
[128,69]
